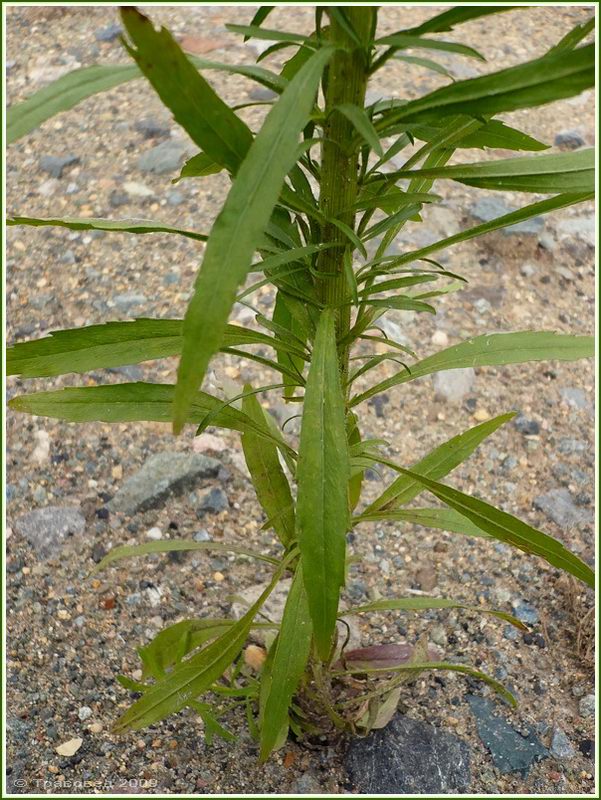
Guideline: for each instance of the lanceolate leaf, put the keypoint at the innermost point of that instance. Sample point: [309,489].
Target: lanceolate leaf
[402,41]
[176,545]
[419,666]
[492,350]
[558,172]
[438,463]
[267,475]
[198,166]
[239,228]
[194,676]
[529,211]
[424,603]
[90,224]
[209,122]
[363,125]
[63,94]
[115,344]
[322,478]
[455,16]
[509,529]
[290,657]
[132,402]
[445,519]
[534,83]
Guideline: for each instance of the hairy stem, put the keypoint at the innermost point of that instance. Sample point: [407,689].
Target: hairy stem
[346,83]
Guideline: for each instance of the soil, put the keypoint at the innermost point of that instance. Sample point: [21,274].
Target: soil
[68,636]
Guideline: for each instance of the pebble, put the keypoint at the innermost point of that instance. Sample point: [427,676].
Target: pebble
[574,397]
[559,507]
[95,727]
[46,528]
[399,759]
[202,535]
[155,534]
[54,165]
[161,475]
[128,299]
[165,157]
[561,747]
[135,189]
[426,578]
[69,748]
[526,613]
[527,270]
[481,415]
[213,502]
[586,706]
[453,385]
[439,636]
[84,713]
[254,657]
[108,34]
[151,128]
[209,443]
[527,427]
[48,188]
[306,784]
[440,338]
[569,140]
[488,208]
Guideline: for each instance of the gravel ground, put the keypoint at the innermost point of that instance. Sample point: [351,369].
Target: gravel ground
[69,637]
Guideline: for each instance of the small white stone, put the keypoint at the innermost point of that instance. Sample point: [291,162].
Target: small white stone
[135,189]
[69,748]
[84,713]
[440,338]
[42,449]
[155,534]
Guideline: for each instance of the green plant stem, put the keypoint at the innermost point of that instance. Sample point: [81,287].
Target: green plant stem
[346,83]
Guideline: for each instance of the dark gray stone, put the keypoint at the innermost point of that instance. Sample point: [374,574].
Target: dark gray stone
[47,528]
[526,613]
[118,198]
[152,129]
[559,507]
[528,427]
[408,757]
[488,208]
[587,706]
[561,747]
[569,140]
[162,474]
[510,751]
[108,34]
[165,157]
[175,198]
[54,165]
[212,502]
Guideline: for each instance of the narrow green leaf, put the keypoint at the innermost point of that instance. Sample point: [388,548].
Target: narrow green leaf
[427,63]
[198,166]
[403,41]
[445,519]
[267,475]
[441,665]
[493,350]
[90,224]
[209,122]
[260,17]
[557,172]
[455,16]
[438,463]
[424,603]
[115,344]
[239,228]
[513,218]
[497,134]
[175,546]
[194,676]
[132,402]
[322,478]
[401,302]
[362,124]
[356,480]
[533,83]
[63,94]
[290,657]
[256,32]
[574,37]
[509,529]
